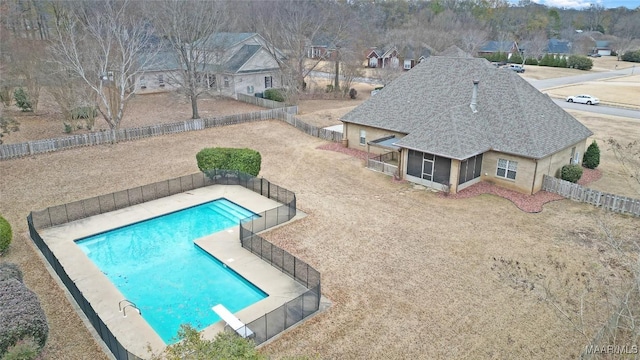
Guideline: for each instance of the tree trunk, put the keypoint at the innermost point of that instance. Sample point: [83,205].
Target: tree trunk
[336,80]
[194,107]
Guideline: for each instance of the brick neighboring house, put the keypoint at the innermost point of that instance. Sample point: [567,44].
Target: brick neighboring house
[234,63]
[414,56]
[381,58]
[322,47]
[447,132]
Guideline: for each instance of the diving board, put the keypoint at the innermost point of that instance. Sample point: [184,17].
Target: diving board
[238,326]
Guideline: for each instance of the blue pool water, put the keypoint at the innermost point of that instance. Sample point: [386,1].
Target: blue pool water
[156,265]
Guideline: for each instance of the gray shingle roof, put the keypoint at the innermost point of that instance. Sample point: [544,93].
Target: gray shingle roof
[497,46]
[241,57]
[431,102]
[223,40]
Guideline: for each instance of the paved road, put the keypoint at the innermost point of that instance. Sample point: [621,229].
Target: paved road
[569,80]
[599,109]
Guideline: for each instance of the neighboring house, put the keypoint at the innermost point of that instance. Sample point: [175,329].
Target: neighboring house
[554,47]
[380,58]
[159,74]
[235,63]
[322,47]
[603,48]
[559,47]
[493,47]
[413,57]
[451,122]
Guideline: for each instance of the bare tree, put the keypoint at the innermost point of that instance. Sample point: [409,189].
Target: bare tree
[628,155]
[290,25]
[188,27]
[626,29]
[106,45]
[22,48]
[536,45]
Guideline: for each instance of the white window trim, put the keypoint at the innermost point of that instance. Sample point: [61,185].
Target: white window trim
[507,169]
[407,64]
[363,137]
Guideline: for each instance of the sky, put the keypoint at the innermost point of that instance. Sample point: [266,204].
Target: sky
[581,4]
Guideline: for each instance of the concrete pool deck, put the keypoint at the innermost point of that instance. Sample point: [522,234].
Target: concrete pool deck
[133,332]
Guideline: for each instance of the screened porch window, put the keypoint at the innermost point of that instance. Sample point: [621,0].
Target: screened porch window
[470,169]
[507,169]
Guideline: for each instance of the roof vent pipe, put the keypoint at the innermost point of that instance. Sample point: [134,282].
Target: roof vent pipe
[474,97]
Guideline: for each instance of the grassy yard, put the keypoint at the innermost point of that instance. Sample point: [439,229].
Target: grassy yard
[410,274]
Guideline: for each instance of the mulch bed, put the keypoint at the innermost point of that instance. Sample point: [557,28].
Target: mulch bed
[527,203]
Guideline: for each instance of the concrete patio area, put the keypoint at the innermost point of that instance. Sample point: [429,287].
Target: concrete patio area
[133,332]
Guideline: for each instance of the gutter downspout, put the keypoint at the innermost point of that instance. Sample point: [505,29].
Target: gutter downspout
[535,173]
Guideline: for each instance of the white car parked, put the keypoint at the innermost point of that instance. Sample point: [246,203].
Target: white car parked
[583,99]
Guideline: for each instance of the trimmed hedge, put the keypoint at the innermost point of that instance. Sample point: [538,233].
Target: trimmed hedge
[5,235]
[274,94]
[631,56]
[245,160]
[580,62]
[591,157]
[21,316]
[571,173]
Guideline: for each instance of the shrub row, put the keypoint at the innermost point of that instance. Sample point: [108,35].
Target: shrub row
[23,324]
[571,173]
[5,235]
[632,56]
[274,94]
[245,160]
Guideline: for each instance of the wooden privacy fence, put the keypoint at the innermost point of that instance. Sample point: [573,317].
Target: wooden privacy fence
[611,202]
[312,130]
[9,151]
[269,104]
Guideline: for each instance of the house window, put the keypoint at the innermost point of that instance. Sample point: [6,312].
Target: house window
[250,89]
[507,169]
[212,81]
[143,82]
[226,81]
[407,64]
[268,82]
[363,137]
[161,80]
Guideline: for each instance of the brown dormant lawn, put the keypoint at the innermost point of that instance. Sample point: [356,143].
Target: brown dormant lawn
[410,274]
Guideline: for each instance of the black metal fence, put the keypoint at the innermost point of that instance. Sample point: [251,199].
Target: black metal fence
[105,334]
[266,326]
[280,319]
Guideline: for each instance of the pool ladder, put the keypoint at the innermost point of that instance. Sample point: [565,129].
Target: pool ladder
[123,309]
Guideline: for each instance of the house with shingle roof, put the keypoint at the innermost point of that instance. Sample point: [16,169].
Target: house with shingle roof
[383,58]
[414,55]
[231,64]
[451,122]
[493,47]
[322,47]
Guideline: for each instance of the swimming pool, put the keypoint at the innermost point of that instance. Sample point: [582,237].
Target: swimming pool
[156,265]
